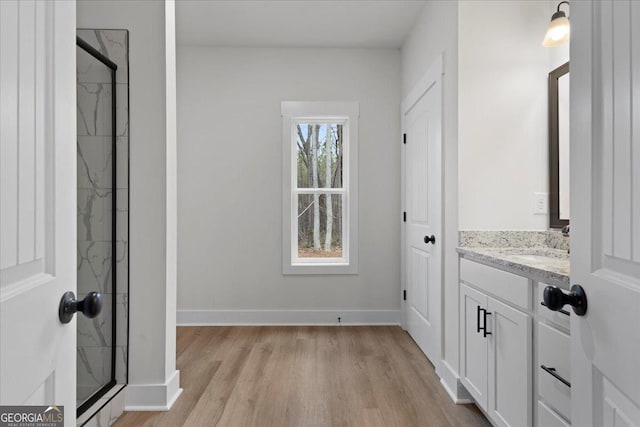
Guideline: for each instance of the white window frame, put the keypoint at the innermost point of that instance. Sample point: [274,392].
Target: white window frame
[346,113]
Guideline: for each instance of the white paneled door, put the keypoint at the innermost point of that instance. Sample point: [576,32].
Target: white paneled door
[605,212]
[422,247]
[37,202]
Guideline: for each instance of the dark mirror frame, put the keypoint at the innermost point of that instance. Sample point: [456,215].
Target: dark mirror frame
[554,152]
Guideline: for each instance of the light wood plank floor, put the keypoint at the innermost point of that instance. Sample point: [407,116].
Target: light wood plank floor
[305,376]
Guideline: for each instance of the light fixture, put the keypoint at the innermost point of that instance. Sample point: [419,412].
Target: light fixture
[559,28]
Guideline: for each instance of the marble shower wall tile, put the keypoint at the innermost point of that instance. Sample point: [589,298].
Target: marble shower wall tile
[96,332]
[94,267]
[94,159]
[113,44]
[109,413]
[94,215]
[121,364]
[93,370]
[95,109]
[122,162]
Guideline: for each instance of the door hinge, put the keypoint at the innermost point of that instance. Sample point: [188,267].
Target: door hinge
[404,217]
[404,138]
[404,295]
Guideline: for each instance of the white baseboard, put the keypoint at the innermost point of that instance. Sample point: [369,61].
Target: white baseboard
[287,317]
[153,397]
[451,383]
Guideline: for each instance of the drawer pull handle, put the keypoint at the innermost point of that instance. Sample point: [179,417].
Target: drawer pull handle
[552,372]
[565,312]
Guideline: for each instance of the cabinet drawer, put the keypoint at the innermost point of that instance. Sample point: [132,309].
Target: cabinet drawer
[509,287]
[548,418]
[556,317]
[554,352]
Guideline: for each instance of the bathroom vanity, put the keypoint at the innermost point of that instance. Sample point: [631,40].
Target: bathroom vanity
[514,351]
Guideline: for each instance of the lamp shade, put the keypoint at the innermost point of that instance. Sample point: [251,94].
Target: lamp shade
[559,30]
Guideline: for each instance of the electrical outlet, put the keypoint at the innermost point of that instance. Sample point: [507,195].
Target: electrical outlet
[540,203]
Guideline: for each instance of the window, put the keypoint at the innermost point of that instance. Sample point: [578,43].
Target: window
[320,208]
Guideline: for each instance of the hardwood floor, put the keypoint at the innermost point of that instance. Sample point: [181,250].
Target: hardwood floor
[305,376]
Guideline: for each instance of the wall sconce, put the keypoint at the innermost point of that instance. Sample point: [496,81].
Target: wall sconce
[559,28]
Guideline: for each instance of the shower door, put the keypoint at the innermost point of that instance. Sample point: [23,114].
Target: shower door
[96,183]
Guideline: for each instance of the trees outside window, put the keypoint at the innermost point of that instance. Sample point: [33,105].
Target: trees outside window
[320,203]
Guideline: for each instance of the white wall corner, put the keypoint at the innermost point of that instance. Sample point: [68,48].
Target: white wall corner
[451,383]
[153,397]
[288,317]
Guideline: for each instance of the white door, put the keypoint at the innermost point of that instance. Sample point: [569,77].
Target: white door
[605,212]
[422,122]
[37,203]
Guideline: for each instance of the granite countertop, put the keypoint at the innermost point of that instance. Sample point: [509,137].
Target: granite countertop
[546,265]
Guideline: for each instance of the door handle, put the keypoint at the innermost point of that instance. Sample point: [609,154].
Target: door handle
[555,299]
[430,239]
[90,306]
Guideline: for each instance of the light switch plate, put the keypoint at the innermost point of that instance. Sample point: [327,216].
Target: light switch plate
[541,203]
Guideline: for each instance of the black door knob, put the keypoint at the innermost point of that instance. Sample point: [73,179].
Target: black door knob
[430,239]
[555,299]
[90,306]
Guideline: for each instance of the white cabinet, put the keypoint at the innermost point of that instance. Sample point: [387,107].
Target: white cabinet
[501,355]
[510,357]
[496,357]
[475,352]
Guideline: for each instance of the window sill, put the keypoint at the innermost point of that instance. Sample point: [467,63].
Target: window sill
[319,269]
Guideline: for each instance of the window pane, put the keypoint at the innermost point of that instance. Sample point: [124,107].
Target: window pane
[319,155]
[319,226]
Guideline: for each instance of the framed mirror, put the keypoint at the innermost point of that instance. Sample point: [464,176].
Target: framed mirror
[559,208]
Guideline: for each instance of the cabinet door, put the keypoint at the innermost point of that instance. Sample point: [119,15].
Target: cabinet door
[473,361]
[510,385]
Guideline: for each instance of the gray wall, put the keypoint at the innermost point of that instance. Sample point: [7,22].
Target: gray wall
[230,166]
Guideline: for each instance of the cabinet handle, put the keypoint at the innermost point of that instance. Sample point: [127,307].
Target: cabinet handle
[484,327]
[552,372]
[486,313]
[478,319]
[565,312]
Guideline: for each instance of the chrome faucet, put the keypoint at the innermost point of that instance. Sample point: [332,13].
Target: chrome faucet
[565,230]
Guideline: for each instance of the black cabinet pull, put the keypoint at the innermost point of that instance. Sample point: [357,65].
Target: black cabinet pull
[482,328]
[565,312]
[478,329]
[486,313]
[552,372]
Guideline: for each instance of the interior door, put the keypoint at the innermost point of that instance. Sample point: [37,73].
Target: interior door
[38,203]
[422,122]
[605,212]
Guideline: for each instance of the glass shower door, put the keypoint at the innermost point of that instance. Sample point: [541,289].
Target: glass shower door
[96,154]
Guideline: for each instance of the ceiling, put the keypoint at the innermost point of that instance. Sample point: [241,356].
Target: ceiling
[296,23]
